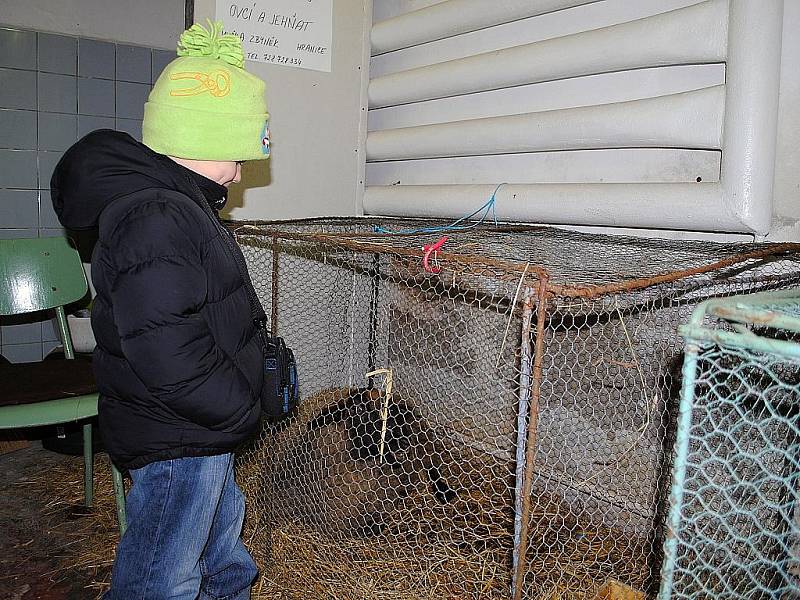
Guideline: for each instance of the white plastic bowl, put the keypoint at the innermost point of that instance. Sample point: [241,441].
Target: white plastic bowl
[81,330]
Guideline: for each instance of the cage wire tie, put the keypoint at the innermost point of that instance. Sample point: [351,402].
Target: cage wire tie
[431,253]
[511,314]
[387,396]
[457,225]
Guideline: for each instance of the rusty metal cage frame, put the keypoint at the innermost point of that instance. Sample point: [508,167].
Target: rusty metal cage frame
[540,297]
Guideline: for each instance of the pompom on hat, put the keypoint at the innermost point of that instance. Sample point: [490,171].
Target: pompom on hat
[204,105]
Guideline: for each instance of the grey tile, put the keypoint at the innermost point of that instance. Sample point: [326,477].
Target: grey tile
[23,333]
[96,97]
[58,54]
[17,89]
[49,331]
[58,93]
[47,163]
[21,353]
[19,208]
[95,58]
[18,129]
[18,49]
[133,63]
[133,127]
[48,233]
[87,124]
[161,58]
[130,99]
[15,234]
[57,131]
[18,169]
[47,215]
[50,346]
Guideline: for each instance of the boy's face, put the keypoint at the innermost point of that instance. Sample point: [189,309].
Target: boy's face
[224,172]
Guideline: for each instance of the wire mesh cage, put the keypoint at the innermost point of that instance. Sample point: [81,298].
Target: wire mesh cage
[734,503]
[514,438]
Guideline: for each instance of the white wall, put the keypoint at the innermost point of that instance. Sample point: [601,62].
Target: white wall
[315,123]
[786,222]
[543,96]
[155,23]
[386,9]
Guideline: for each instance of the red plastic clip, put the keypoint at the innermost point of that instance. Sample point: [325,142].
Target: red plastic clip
[432,251]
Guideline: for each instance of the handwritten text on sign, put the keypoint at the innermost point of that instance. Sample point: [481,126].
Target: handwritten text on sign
[295,33]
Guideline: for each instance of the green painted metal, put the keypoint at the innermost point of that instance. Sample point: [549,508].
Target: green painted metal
[42,274]
[39,274]
[734,524]
[88,465]
[50,412]
[63,332]
[119,496]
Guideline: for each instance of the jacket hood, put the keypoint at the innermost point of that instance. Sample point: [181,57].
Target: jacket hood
[101,167]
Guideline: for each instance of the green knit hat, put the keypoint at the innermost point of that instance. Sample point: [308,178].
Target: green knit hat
[205,106]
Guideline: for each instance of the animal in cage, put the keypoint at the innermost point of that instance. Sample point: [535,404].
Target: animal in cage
[346,466]
[390,430]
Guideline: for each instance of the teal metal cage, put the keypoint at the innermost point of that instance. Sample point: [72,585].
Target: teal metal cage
[733,529]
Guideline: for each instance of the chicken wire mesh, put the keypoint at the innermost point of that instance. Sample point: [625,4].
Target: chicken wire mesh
[734,504]
[517,444]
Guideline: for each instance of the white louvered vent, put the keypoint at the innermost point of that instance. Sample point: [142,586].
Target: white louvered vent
[646,113]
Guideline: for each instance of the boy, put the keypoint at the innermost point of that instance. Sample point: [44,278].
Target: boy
[179,363]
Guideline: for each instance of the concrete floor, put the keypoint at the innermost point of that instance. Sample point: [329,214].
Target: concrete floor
[35,545]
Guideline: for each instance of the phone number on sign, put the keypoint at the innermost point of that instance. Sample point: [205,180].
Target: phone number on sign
[283,60]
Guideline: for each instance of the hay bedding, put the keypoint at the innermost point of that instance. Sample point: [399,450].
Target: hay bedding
[440,564]
[94,532]
[427,551]
[310,548]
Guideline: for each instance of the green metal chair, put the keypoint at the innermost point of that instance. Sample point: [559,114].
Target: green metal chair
[46,274]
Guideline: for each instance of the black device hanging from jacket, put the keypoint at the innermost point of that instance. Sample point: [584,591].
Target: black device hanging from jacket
[280,393]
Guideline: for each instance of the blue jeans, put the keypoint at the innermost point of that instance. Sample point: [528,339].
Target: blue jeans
[183,537]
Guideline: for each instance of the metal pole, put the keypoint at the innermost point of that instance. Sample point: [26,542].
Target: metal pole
[373,314]
[119,497]
[274,300]
[679,469]
[522,418]
[533,425]
[88,465]
[188,13]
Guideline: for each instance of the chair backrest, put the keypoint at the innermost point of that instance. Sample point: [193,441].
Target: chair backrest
[39,274]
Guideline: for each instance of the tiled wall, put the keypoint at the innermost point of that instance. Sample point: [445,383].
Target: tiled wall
[53,90]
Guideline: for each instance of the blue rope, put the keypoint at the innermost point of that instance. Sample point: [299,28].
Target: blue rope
[455,225]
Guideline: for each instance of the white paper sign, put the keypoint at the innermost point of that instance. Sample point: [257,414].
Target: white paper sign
[293,33]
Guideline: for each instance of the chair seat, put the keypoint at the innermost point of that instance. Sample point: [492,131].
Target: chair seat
[27,383]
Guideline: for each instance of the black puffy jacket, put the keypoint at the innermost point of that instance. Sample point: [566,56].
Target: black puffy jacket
[178,363]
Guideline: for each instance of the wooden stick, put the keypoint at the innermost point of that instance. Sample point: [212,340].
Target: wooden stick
[387,396]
